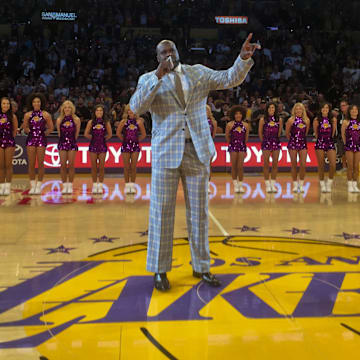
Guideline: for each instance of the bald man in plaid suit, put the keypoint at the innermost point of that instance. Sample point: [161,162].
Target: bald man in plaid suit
[182,147]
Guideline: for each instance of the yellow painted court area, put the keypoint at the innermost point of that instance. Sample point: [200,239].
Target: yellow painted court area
[74,285]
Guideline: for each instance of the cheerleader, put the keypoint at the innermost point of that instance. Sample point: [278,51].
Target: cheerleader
[130,131]
[98,131]
[8,130]
[38,125]
[116,113]
[237,134]
[344,107]
[68,128]
[269,132]
[213,128]
[350,131]
[324,131]
[297,127]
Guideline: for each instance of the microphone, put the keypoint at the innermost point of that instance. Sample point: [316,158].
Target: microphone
[169,59]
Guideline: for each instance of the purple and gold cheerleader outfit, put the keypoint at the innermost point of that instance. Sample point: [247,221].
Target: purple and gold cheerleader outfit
[352,136]
[298,135]
[37,126]
[211,125]
[237,137]
[271,139]
[98,142]
[131,137]
[67,141]
[6,132]
[324,140]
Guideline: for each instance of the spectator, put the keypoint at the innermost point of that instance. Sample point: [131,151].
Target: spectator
[82,111]
[94,58]
[52,105]
[256,115]
[28,65]
[245,105]
[47,77]
[61,90]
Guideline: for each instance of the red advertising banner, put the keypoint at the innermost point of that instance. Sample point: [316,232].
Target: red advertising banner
[253,157]
[114,161]
[113,156]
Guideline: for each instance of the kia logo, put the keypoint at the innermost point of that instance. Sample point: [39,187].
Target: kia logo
[52,157]
[18,151]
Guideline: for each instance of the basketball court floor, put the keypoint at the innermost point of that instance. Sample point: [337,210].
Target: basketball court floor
[74,285]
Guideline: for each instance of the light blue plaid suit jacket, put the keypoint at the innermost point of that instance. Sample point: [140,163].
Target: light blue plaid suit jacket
[169,117]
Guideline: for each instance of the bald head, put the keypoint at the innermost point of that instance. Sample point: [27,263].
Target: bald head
[166,48]
[164,42]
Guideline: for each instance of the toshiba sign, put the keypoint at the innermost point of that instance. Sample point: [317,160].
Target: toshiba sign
[236,20]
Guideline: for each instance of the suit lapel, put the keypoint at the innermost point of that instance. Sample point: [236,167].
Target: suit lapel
[191,80]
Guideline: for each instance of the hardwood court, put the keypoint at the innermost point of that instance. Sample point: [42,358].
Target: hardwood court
[74,286]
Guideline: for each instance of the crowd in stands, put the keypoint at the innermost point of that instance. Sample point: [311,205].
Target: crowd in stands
[97,60]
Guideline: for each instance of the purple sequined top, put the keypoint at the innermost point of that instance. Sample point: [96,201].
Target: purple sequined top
[324,135]
[98,133]
[325,128]
[131,130]
[130,133]
[237,137]
[6,132]
[352,136]
[271,139]
[211,125]
[67,141]
[37,126]
[298,135]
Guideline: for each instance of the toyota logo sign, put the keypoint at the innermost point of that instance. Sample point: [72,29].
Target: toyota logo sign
[18,151]
[52,157]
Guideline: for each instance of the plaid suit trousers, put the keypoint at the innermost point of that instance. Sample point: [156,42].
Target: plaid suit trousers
[164,184]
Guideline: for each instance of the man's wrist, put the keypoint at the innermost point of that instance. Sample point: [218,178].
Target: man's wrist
[160,74]
[245,60]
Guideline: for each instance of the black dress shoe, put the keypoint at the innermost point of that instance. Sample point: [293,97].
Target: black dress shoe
[161,282]
[207,277]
